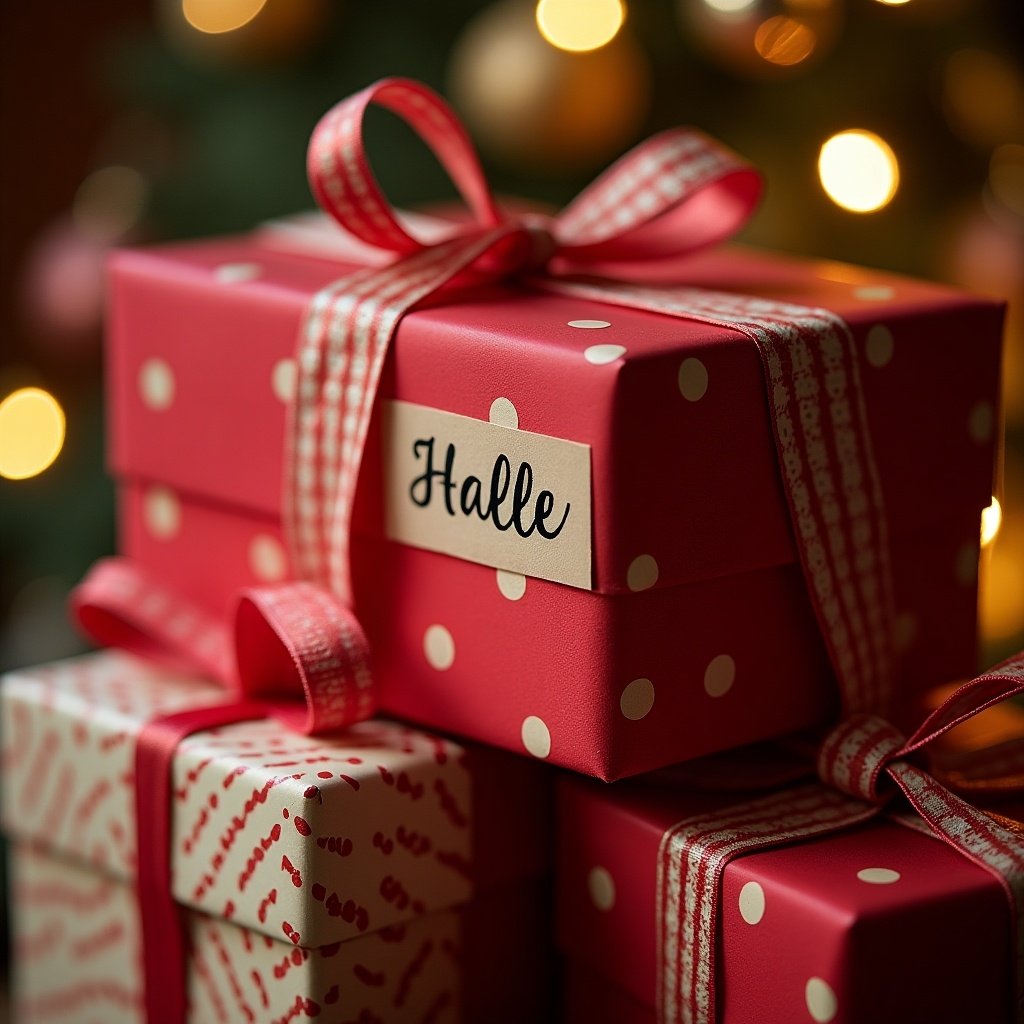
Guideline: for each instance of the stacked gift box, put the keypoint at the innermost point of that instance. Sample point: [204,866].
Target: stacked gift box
[648,602]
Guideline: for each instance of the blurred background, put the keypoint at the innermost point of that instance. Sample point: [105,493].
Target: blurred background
[140,120]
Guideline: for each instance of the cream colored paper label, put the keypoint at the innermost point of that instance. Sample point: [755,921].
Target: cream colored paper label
[490,494]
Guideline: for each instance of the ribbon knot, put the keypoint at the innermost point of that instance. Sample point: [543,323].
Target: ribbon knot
[856,754]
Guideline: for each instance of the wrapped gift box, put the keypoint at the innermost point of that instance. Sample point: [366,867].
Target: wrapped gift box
[878,922]
[76,955]
[680,625]
[299,843]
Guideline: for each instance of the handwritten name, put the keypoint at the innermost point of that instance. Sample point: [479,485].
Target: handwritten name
[506,511]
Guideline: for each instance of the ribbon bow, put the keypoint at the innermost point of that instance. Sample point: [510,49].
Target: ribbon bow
[863,765]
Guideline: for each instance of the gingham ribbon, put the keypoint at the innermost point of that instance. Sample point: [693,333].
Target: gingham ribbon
[674,193]
[864,767]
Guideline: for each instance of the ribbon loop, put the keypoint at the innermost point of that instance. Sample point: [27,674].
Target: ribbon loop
[343,182]
[855,755]
[295,648]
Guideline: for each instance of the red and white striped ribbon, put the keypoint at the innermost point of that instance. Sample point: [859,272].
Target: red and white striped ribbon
[675,192]
[863,764]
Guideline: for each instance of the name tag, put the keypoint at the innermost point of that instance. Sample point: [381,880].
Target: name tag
[490,494]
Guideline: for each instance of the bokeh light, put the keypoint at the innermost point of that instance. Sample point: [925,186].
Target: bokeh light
[109,203]
[538,107]
[31,433]
[894,3]
[217,16]
[1006,178]
[784,41]
[983,96]
[858,171]
[579,25]
[730,6]
[991,521]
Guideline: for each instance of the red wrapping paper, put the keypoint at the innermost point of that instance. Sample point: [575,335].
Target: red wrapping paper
[309,842]
[879,922]
[725,601]
[76,953]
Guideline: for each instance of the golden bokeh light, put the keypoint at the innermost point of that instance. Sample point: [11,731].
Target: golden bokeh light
[858,171]
[579,25]
[784,41]
[31,433]
[894,3]
[730,6]
[991,520]
[217,16]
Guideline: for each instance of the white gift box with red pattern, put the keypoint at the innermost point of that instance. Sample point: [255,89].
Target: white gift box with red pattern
[317,872]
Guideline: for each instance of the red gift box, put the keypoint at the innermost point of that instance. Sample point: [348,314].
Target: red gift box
[877,922]
[696,634]
[296,846]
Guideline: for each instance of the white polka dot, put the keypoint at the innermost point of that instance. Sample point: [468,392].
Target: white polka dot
[602,888]
[879,345]
[589,325]
[875,291]
[821,1000]
[536,737]
[878,876]
[439,647]
[236,273]
[904,631]
[637,699]
[752,902]
[156,384]
[719,675]
[693,379]
[642,573]
[503,413]
[161,512]
[267,558]
[511,584]
[980,422]
[283,379]
[966,568]
[598,355]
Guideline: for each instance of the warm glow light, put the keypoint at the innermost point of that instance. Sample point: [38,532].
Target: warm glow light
[216,16]
[991,520]
[730,6]
[31,432]
[784,41]
[579,25]
[858,171]
[894,3]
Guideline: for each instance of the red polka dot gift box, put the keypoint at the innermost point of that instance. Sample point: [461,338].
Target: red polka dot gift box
[368,876]
[875,922]
[612,523]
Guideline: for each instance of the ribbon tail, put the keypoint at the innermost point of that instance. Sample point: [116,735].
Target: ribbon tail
[298,639]
[119,604]
[978,836]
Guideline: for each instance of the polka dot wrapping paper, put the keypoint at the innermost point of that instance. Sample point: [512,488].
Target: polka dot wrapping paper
[697,634]
[874,923]
[300,849]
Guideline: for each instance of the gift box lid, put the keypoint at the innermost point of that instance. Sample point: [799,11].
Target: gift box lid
[308,840]
[684,482]
[836,927]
